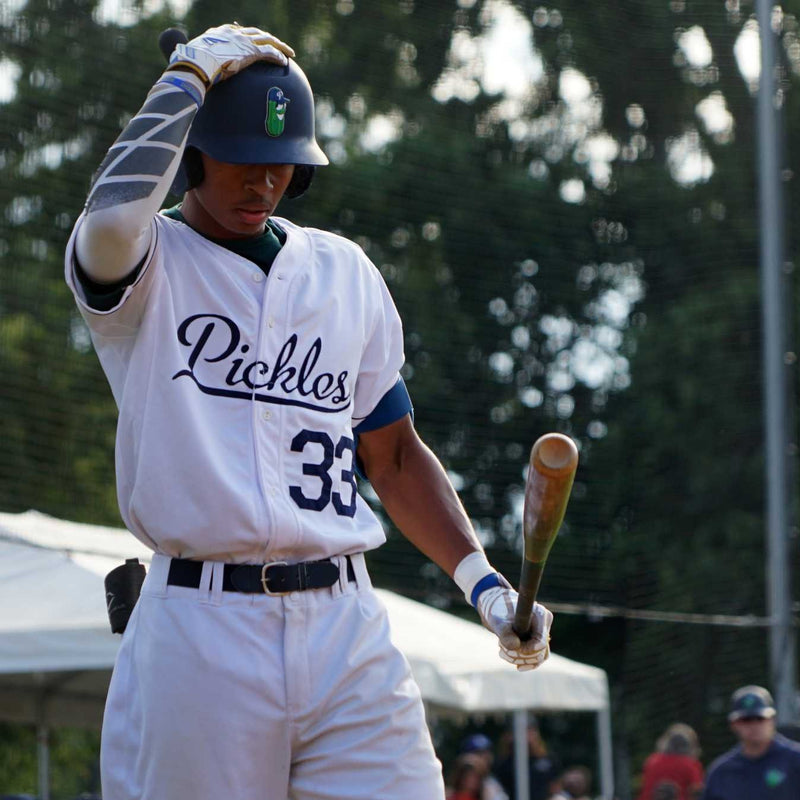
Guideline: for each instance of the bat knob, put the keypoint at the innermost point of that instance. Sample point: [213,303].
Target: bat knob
[556,451]
[168,39]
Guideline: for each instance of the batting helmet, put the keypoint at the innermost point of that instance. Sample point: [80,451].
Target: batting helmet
[262,115]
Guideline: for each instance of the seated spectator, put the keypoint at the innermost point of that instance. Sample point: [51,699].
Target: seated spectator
[480,746]
[576,783]
[676,760]
[466,778]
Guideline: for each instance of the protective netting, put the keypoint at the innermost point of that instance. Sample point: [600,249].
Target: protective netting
[562,200]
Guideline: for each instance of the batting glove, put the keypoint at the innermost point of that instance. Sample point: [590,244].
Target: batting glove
[496,607]
[225,50]
[496,602]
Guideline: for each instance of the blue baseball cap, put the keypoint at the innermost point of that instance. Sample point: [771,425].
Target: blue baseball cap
[475,743]
[751,701]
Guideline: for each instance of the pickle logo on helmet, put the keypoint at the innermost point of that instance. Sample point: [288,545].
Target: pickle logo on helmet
[277,102]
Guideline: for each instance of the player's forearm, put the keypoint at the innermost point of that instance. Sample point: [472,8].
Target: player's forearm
[422,503]
[134,179]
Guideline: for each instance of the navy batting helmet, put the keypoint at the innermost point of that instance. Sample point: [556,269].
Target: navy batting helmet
[262,115]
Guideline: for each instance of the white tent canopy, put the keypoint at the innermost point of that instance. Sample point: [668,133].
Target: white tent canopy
[57,651]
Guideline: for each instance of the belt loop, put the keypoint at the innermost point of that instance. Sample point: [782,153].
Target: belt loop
[340,587]
[155,583]
[217,571]
[204,587]
[359,563]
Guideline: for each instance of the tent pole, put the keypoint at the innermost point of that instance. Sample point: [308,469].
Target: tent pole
[521,754]
[605,758]
[43,760]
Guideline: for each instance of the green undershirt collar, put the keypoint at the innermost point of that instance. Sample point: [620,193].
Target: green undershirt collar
[261,250]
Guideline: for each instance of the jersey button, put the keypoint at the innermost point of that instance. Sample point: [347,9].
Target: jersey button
[258,276]
[271,322]
[267,415]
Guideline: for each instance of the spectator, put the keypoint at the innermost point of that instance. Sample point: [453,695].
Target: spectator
[544,767]
[467,778]
[676,760]
[576,783]
[481,747]
[764,765]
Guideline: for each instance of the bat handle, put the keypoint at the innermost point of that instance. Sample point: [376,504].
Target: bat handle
[529,586]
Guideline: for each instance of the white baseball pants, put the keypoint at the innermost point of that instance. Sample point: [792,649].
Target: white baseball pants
[227,696]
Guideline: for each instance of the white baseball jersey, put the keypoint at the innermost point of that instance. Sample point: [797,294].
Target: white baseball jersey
[238,393]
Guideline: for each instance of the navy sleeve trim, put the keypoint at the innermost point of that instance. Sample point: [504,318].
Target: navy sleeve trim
[394,405]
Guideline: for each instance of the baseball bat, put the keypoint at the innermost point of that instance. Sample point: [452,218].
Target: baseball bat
[168,39]
[551,471]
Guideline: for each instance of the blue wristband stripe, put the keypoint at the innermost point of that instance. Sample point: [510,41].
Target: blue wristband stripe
[491,580]
[186,86]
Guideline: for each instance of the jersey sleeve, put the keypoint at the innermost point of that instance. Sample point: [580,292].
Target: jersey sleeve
[104,296]
[382,356]
[113,311]
[394,405]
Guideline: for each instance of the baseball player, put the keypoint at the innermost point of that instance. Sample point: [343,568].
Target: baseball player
[256,368]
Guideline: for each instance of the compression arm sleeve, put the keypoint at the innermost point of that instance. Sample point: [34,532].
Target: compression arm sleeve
[134,179]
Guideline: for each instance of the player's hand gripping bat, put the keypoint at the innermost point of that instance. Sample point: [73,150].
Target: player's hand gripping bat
[553,461]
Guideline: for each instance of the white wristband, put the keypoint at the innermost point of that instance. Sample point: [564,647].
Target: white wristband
[470,570]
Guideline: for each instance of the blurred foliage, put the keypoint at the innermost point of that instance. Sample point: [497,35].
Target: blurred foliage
[581,256]
[74,765]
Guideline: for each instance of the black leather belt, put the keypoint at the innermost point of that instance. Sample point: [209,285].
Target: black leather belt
[275,578]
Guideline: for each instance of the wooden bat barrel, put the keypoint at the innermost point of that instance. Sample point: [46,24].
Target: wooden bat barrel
[551,472]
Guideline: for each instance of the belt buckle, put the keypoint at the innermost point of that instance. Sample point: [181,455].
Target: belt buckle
[264,578]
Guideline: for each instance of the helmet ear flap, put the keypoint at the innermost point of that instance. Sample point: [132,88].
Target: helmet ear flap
[190,172]
[193,164]
[301,180]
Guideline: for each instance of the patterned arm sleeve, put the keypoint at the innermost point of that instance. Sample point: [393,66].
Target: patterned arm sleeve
[134,179]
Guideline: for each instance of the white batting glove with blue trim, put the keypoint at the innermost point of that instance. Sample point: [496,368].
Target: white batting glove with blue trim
[496,607]
[496,602]
[227,49]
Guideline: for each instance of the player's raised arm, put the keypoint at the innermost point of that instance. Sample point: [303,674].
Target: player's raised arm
[135,177]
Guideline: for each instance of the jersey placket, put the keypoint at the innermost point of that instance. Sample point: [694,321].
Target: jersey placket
[269,418]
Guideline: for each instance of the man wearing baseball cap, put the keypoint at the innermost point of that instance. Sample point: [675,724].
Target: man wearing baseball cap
[764,765]
[480,745]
